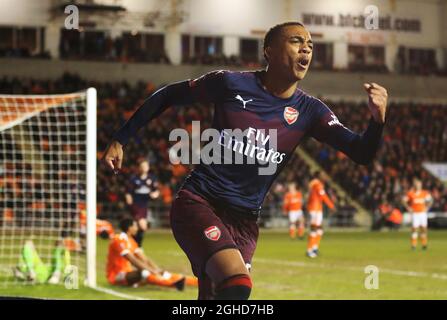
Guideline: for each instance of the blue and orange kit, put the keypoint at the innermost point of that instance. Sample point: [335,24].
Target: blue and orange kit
[140,188]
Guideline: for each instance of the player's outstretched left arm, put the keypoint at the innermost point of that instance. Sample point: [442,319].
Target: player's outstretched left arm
[327,200]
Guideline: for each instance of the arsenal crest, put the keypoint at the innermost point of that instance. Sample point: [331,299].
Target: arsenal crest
[212,233]
[290,115]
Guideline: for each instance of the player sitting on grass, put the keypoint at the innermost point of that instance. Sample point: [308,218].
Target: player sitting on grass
[127,264]
[32,269]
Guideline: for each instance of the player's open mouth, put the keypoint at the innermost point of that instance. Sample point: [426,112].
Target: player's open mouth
[303,63]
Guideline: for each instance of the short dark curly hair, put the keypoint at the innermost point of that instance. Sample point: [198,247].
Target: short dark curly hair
[125,223]
[274,31]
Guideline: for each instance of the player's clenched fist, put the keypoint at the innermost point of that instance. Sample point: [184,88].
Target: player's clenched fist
[377,100]
[113,156]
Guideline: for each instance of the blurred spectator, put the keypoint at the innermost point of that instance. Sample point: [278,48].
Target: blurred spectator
[414,133]
[394,220]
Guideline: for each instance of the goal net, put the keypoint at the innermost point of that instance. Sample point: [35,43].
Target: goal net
[48,189]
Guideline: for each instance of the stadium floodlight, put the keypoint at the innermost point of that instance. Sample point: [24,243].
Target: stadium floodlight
[48,187]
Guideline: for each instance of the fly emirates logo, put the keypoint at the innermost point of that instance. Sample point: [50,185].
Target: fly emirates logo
[226,146]
[255,145]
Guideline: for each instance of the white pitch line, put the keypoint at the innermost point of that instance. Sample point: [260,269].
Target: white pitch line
[118,294]
[325,266]
[391,271]
[112,292]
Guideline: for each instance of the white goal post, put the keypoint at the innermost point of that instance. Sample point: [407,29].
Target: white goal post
[48,161]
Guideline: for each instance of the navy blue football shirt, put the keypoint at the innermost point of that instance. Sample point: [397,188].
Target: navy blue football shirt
[241,102]
[140,187]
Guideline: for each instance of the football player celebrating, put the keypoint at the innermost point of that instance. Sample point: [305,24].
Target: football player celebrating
[214,215]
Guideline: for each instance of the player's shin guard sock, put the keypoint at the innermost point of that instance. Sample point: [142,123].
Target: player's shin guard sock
[139,237]
[292,232]
[191,281]
[300,231]
[311,240]
[166,282]
[206,288]
[237,287]
[414,239]
[424,239]
[318,239]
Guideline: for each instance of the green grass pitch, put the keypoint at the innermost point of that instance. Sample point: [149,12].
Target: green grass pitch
[281,270]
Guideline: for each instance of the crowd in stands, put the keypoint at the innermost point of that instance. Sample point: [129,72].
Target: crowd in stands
[413,134]
[23,52]
[375,68]
[122,50]
[417,62]
[107,49]
[223,60]
[134,47]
